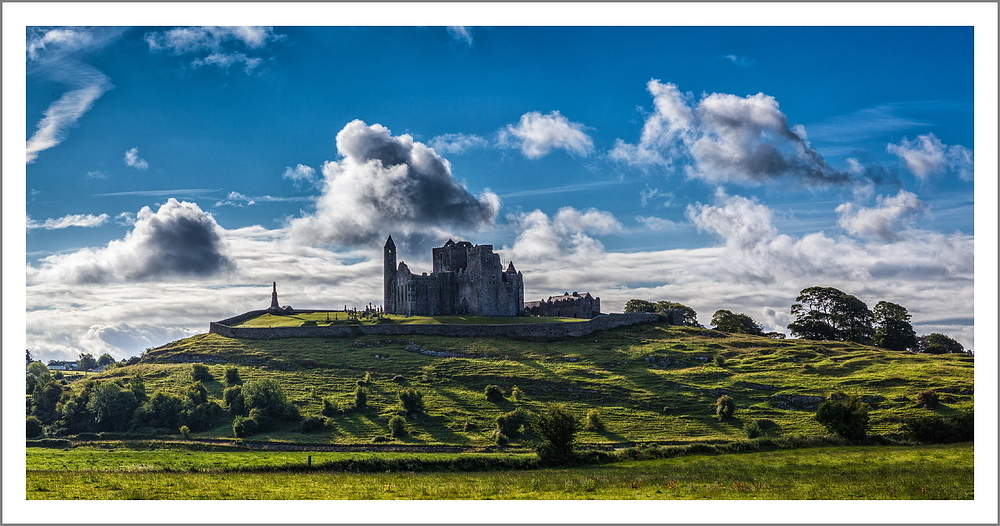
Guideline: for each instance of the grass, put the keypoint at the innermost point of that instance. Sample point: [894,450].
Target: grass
[324,319]
[652,383]
[874,473]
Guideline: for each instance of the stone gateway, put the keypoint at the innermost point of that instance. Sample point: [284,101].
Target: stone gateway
[466,279]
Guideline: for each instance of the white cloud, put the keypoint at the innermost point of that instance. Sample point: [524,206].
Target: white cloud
[390,185]
[55,54]
[215,43]
[567,235]
[536,135]
[725,139]
[884,221]
[657,224]
[302,174]
[649,194]
[741,61]
[461,33]
[236,199]
[81,220]
[926,156]
[457,143]
[96,174]
[132,159]
[177,240]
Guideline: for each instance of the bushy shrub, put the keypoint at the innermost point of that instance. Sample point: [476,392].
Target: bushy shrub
[725,406]
[500,438]
[233,397]
[593,421]
[516,394]
[557,428]
[244,427]
[360,398]
[233,376]
[33,426]
[365,380]
[941,430]
[493,394]
[185,431]
[928,399]
[719,360]
[847,418]
[411,401]
[200,373]
[330,408]
[312,423]
[760,427]
[512,424]
[397,426]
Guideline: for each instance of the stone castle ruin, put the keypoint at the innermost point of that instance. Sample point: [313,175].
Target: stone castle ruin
[466,279]
[568,305]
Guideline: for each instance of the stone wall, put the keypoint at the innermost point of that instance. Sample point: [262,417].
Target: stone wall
[537,330]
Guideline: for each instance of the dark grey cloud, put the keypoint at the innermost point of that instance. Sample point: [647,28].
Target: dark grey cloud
[387,184]
[178,240]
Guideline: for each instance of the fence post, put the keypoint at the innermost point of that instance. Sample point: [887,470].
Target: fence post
[309,461]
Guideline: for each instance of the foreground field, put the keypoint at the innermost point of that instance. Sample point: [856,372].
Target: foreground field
[872,473]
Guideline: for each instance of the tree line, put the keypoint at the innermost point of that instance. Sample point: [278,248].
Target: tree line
[822,313]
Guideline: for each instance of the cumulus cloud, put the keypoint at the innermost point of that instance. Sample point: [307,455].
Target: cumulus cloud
[536,135]
[461,33]
[927,156]
[883,221]
[56,54]
[568,233]
[457,143]
[81,220]
[215,43]
[177,240]
[132,159]
[387,184]
[302,174]
[725,139]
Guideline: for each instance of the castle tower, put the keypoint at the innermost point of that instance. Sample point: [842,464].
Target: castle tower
[389,277]
[274,295]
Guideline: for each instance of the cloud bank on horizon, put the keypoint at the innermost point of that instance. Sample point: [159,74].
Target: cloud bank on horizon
[312,213]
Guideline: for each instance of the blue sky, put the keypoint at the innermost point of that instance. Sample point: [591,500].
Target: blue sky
[721,167]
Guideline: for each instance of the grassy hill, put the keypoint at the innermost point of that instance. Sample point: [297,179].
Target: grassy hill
[649,383]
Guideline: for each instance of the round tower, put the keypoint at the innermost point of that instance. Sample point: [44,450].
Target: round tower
[389,277]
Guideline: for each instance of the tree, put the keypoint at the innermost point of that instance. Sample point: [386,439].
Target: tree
[233,376]
[557,428]
[397,426]
[725,406]
[105,360]
[163,410]
[493,394]
[739,323]
[845,416]
[33,426]
[266,396]
[892,327]
[640,306]
[86,362]
[825,313]
[37,369]
[680,314]
[411,400]
[44,399]
[200,373]
[936,343]
[112,406]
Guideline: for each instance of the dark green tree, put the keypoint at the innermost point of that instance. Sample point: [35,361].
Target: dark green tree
[200,373]
[112,406]
[739,323]
[892,327]
[38,369]
[163,410]
[266,396]
[233,376]
[105,359]
[936,343]
[681,314]
[640,306]
[86,362]
[557,428]
[825,313]
[725,407]
[411,401]
[33,426]
[845,416]
[44,399]
[360,398]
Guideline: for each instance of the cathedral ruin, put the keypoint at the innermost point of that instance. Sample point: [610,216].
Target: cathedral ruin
[466,279]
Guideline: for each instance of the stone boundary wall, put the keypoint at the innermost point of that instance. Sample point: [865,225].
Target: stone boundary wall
[538,330]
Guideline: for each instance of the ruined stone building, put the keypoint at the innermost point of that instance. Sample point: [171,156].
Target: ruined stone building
[466,279]
[568,305]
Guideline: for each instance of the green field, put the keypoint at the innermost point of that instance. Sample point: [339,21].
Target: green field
[873,473]
[325,319]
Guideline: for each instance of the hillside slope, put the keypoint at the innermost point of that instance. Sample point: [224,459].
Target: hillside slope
[649,383]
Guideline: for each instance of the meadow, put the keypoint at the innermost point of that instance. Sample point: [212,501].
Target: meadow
[856,472]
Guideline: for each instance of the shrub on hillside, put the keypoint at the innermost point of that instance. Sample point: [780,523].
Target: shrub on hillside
[244,427]
[200,373]
[233,376]
[312,423]
[720,360]
[513,424]
[411,401]
[760,427]
[941,430]
[33,426]
[365,380]
[330,408]
[593,421]
[493,394]
[397,426]
[233,398]
[360,398]
[185,432]
[725,406]
[557,428]
[845,416]
[928,399]
[516,394]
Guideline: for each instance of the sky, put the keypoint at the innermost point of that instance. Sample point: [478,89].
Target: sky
[173,173]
